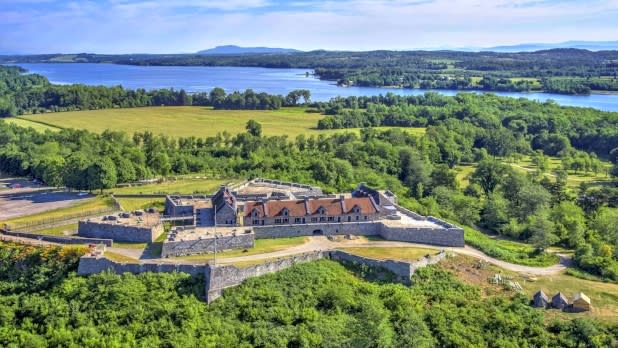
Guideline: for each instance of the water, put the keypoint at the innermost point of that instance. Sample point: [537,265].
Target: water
[272,81]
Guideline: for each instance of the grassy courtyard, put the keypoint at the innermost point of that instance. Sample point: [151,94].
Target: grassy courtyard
[184,121]
[403,253]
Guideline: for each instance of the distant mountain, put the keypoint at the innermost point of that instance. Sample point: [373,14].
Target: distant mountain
[232,49]
[584,45]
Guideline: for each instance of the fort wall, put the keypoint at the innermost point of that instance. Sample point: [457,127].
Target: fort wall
[207,245]
[60,239]
[219,278]
[370,228]
[119,232]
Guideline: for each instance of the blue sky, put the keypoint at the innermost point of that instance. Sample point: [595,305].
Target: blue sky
[173,26]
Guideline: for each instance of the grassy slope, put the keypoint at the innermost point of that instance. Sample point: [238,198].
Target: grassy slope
[604,296]
[185,121]
[131,204]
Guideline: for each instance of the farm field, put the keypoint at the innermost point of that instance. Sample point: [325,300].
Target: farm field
[39,127]
[184,121]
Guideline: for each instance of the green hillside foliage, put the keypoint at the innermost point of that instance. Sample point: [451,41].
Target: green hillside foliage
[319,304]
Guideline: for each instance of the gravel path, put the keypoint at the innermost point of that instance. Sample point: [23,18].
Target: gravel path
[322,243]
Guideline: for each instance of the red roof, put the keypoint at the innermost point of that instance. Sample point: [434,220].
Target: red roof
[332,207]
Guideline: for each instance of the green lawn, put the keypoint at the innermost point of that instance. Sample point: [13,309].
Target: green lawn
[63,230]
[262,246]
[183,185]
[380,253]
[131,204]
[183,121]
[85,207]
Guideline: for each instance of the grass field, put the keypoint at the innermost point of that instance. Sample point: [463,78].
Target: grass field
[262,246]
[525,165]
[182,121]
[131,204]
[39,127]
[408,254]
[91,205]
[63,230]
[183,185]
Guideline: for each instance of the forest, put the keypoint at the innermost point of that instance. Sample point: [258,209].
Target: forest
[566,71]
[43,303]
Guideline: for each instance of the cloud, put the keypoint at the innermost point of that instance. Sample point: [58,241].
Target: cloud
[129,26]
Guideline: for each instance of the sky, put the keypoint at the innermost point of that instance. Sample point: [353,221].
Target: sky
[184,26]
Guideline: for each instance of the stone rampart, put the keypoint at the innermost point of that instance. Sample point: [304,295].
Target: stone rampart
[218,278]
[207,245]
[401,269]
[119,232]
[221,277]
[370,228]
[60,239]
[453,237]
[92,265]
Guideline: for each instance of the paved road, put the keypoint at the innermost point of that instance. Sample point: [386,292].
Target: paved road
[322,243]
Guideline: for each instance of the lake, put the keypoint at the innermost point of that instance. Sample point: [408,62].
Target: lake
[272,81]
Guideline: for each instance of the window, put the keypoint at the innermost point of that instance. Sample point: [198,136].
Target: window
[314,219]
[297,220]
[277,221]
[357,217]
[365,217]
[286,221]
[322,218]
[285,212]
[331,218]
[255,222]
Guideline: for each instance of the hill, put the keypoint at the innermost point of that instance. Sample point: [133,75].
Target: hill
[233,49]
[530,47]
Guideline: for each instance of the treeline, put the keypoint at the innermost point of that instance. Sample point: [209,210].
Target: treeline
[581,69]
[505,125]
[30,93]
[319,304]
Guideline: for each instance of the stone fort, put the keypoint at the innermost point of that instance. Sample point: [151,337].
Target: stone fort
[235,216]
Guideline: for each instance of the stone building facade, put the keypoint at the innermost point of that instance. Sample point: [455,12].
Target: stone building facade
[305,211]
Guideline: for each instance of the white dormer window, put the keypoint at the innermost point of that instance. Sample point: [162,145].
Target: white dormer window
[356,209]
[285,212]
[255,213]
[321,211]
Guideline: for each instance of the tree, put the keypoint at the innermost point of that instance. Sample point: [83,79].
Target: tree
[495,212]
[415,172]
[488,174]
[540,229]
[254,128]
[74,171]
[570,222]
[101,175]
